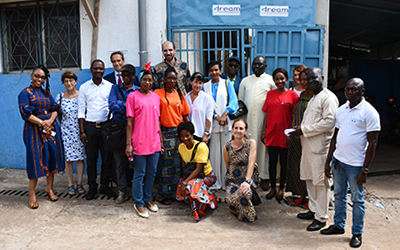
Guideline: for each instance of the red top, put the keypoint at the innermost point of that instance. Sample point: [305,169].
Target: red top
[279,108]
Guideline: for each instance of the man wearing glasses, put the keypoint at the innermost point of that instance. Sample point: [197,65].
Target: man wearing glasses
[232,75]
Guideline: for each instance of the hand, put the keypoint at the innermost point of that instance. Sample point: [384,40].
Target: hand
[182,190]
[84,139]
[46,124]
[205,138]
[128,150]
[287,140]
[162,148]
[262,137]
[328,170]
[361,178]
[244,188]
[298,131]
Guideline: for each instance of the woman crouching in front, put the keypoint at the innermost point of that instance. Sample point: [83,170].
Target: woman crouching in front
[242,172]
[194,187]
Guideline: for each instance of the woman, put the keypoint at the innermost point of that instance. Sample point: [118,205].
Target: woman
[201,107]
[296,78]
[42,135]
[193,190]
[143,138]
[278,117]
[242,172]
[74,150]
[117,105]
[225,98]
[174,110]
[293,182]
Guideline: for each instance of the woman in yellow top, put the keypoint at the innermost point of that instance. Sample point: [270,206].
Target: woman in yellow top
[194,189]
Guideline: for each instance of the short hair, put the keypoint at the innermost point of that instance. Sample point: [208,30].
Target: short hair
[304,71]
[213,63]
[162,45]
[95,61]
[188,126]
[70,75]
[117,53]
[197,76]
[299,68]
[280,70]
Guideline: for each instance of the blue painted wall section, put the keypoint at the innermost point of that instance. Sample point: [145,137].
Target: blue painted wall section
[12,148]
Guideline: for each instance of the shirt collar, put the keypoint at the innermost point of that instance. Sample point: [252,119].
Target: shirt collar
[357,106]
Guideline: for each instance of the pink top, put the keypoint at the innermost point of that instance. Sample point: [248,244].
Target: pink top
[145,109]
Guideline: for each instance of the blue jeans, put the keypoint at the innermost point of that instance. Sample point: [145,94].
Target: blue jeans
[344,175]
[143,177]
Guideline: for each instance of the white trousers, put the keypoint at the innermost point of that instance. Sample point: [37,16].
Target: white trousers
[217,143]
[318,200]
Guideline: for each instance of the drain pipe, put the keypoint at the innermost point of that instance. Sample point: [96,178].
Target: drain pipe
[142,33]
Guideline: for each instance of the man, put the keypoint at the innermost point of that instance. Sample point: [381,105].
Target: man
[118,60]
[233,68]
[253,91]
[316,131]
[351,152]
[182,69]
[92,114]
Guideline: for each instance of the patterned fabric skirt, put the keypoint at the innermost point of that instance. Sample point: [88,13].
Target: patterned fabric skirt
[170,164]
[199,195]
[240,204]
[293,182]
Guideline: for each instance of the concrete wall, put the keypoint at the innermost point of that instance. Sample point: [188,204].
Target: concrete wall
[118,30]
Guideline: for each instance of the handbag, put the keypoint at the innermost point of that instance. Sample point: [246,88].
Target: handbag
[188,168]
[242,110]
[114,133]
[255,199]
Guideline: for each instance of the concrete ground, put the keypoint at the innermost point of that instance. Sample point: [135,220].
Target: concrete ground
[75,223]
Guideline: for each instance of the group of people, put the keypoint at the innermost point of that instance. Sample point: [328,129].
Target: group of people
[179,129]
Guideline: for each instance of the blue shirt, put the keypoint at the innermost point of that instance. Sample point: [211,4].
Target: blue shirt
[233,102]
[116,104]
[237,79]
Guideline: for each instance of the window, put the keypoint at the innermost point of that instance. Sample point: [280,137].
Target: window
[37,33]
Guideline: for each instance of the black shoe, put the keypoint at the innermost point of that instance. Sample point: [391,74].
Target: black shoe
[107,191]
[356,240]
[316,225]
[332,230]
[92,193]
[270,195]
[306,216]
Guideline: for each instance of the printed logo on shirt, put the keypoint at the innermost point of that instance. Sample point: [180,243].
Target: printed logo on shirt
[355,120]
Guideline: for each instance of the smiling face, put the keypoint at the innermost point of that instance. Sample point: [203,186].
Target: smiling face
[127,77]
[280,81]
[186,137]
[170,81]
[296,76]
[38,77]
[69,83]
[197,84]
[117,62]
[168,51]
[97,70]
[314,80]
[214,72]
[239,129]
[303,80]
[146,82]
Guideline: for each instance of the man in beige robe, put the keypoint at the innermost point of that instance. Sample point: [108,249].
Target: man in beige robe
[315,132]
[253,92]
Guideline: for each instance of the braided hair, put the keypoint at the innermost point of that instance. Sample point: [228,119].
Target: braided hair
[47,73]
[168,71]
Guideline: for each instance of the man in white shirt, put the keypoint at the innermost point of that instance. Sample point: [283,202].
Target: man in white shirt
[351,152]
[92,115]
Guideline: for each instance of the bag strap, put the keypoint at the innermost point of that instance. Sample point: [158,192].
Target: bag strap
[122,94]
[194,152]
[227,93]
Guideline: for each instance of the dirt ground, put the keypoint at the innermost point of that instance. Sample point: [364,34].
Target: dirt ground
[75,223]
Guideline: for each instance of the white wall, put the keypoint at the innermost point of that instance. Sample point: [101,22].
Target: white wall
[322,19]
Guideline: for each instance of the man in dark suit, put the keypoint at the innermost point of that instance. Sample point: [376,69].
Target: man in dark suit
[118,60]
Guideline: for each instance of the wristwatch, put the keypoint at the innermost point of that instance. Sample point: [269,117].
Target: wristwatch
[365,170]
[207,133]
[249,181]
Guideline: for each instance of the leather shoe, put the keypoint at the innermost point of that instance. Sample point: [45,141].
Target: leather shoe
[316,225]
[332,230]
[121,198]
[356,240]
[107,191]
[92,193]
[306,216]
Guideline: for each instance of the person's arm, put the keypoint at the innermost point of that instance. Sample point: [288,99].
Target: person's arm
[116,104]
[245,186]
[233,102]
[242,93]
[226,158]
[161,139]
[129,128]
[264,128]
[83,136]
[199,168]
[208,127]
[332,148]
[372,138]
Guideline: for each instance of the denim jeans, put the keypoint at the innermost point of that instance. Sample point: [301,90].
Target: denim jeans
[143,177]
[344,175]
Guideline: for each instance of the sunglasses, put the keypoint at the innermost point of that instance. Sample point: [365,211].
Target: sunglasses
[233,65]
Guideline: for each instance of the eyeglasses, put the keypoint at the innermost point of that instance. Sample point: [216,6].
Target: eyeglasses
[172,79]
[40,77]
[233,65]
[126,75]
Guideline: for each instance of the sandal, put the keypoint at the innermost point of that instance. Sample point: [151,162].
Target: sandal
[297,202]
[34,204]
[80,188]
[164,201]
[71,190]
[52,197]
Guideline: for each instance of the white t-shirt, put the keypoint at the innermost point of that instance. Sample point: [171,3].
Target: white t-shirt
[353,125]
[201,109]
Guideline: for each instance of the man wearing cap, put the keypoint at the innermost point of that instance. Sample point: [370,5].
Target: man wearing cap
[253,92]
[233,69]
[118,60]
[117,105]
[182,69]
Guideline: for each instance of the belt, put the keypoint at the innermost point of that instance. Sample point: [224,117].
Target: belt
[96,124]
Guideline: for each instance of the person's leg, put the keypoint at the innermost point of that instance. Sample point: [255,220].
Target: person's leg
[357,198]
[322,193]
[273,161]
[340,185]
[80,165]
[106,162]
[215,159]
[137,183]
[311,196]
[92,151]
[49,189]
[119,157]
[151,168]
[283,160]
[69,167]
[32,194]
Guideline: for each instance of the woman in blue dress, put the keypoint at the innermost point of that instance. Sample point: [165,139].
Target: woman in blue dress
[42,135]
